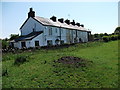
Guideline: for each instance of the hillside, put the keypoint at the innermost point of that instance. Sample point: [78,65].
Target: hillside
[43,71]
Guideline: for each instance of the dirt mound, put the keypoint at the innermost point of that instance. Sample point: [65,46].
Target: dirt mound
[70,60]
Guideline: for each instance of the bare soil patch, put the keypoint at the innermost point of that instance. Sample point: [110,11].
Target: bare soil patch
[76,61]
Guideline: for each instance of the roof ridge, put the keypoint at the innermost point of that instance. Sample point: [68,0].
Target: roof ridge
[49,22]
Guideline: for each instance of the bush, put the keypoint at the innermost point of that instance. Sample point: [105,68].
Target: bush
[4,72]
[106,38]
[118,37]
[20,60]
[113,37]
[4,44]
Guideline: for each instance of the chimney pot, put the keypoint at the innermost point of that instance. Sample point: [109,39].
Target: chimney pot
[61,20]
[53,18]
[82,25]
[67,21]
[78,24]
[31,13]
[31,9]
[73,23]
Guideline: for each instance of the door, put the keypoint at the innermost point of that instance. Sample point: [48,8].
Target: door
[36,43]
[23,44]
[49,42]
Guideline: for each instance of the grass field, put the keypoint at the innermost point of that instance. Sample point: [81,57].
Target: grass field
[35,73]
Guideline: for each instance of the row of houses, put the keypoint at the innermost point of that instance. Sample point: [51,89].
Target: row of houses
[39,31]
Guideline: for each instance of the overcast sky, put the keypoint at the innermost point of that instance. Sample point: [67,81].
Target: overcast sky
[99,17]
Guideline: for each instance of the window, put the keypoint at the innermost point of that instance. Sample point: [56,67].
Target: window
[45,37]
[12,45]
[34,28]
[80,40]
[49,42]
[36,43]
[23,44]
[56,30]
[62,41]
[45,27]
[74,32]
[50,31]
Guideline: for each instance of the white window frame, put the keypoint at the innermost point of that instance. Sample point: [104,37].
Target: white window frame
[50,31]
[56,30]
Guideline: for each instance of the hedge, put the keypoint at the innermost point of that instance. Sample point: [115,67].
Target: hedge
[109,38]
[106,38]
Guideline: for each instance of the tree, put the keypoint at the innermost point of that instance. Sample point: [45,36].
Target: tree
[117,30]
[96,35]
[6,39]
[105,34]
[4,44]
[14,36]
[101,35]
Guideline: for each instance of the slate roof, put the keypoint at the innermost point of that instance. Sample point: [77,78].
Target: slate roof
[49,22]
[29,36]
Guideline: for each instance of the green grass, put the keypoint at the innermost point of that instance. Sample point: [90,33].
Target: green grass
[102,73]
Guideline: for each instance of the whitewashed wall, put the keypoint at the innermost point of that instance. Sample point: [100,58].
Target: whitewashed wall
[67,35]
[83,35]
[29,25]
[53,37]
[28,43]
[17,45]
[63,35]
[74,35]
[38,38]
[47,36]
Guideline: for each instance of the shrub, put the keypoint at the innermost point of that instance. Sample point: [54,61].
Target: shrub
[20,60]
[119,37]
[4,72]
[113,37]
[106,38]
[4,44]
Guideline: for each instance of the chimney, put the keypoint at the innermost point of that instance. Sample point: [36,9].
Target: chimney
[82,25]
[78,24]
[61,20]
[73,23]
[67,21]
[53,18]
[31,13]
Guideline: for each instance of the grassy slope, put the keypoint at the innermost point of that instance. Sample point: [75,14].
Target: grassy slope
[103,72]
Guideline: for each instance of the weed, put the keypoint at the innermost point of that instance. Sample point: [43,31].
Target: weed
[4,72]
[20,60]
[42,70]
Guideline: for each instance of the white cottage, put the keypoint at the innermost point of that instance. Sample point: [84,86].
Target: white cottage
[39,31]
